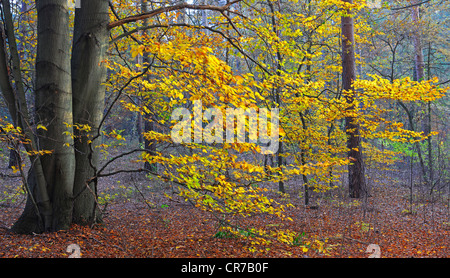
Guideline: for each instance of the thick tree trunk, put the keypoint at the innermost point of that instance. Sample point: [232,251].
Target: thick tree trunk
[65,172]
[90,43]
[54,106]
[54,180]
[355,168]
[51,177]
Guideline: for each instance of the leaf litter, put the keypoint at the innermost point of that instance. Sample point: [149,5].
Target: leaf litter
[158,227]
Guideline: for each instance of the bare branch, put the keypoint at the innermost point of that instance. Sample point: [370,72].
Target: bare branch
[158,11]
[410,6]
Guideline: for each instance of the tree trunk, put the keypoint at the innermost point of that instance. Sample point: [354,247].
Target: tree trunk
[57,182]
[277,93]
[90,42]
[149,123]
[53,110]
[419,75]
[38,204]
[355,168]
[54,106]
[418,52]
[428,125]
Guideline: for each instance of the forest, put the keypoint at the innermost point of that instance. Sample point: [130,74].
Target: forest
[224,129]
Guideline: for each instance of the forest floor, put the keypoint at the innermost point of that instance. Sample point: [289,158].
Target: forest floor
[139,221]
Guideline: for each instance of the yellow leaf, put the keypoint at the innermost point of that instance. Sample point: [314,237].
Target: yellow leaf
[137,50]
[39,126]
[15,169]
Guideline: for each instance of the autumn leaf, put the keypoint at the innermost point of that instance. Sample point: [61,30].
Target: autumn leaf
[39,126]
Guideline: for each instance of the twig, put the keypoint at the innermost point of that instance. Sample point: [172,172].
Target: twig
[158,11]
[410,6]
[9,176]
[357,240]
[142,195]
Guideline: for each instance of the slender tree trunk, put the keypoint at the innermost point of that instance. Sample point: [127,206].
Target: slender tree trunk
[418,52]
[149,123]
[13,159]
[419,75]
[428,124]
[417,145]
[303,160]
[355,168]
[90,43]
[7,91]
[277,92]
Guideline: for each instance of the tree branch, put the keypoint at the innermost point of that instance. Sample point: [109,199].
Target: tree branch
[410,6]
[161,10]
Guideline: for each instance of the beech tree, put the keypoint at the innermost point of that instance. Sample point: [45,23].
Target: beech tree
[68,89]
[69,105]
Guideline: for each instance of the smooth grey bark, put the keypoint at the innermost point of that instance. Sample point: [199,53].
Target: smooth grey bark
[53,104]
[68,90]
[90,42]
[38,209]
